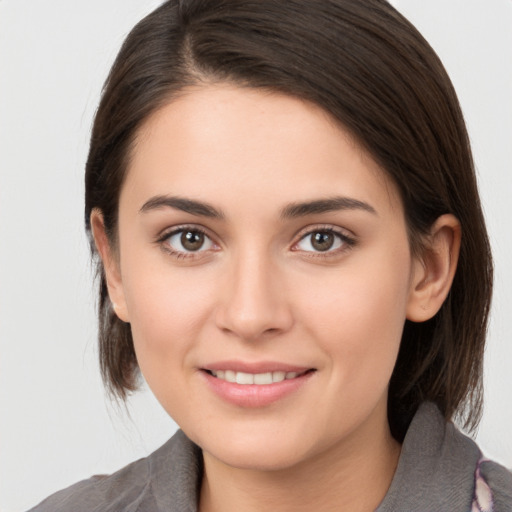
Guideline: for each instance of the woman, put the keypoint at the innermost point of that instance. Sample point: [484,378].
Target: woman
[291,250]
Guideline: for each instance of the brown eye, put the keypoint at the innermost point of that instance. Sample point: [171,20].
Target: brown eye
[322,241]
[192,240]
[188,240]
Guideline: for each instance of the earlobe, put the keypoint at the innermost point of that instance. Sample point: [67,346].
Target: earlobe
[110,265]
[433,273]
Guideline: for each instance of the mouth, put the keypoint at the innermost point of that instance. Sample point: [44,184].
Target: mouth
[255,385]
[259,379]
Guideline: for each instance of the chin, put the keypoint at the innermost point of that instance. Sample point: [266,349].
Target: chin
[257,458]
[258,449]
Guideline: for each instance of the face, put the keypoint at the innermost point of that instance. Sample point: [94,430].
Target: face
[265,269]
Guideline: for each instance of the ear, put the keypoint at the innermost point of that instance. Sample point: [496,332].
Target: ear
[434,270]
[110,264]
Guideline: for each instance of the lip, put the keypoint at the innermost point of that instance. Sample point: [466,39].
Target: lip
[255,367]
[253,395]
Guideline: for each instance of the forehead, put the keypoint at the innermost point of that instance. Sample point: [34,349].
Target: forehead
[219,141]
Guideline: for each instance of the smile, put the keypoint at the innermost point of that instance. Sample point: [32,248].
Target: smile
[260,379]
[255,384]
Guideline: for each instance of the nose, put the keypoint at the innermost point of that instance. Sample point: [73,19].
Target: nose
[254,304]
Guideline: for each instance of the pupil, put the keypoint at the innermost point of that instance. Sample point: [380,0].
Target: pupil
[192,240]
[322,241]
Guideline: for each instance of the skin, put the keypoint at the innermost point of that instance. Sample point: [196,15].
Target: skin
[258,290]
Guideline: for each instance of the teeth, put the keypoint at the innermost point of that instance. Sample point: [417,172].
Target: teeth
[229,376]
[244,378]
[263,378]
[253,378]
[278,376]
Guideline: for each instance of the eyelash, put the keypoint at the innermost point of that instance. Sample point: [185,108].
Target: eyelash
[163,239]
[347,242]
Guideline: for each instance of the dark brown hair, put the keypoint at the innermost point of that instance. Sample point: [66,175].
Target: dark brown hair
[366,65]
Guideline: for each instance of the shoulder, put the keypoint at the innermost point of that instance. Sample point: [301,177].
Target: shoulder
[166,479]
[120,490]
[499,480]
[438,467]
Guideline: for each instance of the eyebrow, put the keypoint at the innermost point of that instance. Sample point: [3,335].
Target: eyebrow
[325,205]
[180,203]
[292,210]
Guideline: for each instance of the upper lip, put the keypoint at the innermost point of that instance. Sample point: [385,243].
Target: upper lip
[255,367]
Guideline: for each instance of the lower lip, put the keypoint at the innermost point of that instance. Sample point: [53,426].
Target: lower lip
[254,395]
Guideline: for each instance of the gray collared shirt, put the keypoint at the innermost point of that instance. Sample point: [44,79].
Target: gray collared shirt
[435,473]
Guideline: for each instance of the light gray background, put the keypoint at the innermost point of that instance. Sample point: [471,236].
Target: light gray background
[56,425]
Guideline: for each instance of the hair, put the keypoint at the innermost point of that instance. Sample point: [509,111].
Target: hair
[373,72]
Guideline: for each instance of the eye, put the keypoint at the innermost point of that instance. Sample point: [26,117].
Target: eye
[323,240]
[188,241]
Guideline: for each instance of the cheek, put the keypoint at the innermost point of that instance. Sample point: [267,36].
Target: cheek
[167,310]
[168,316]
[358,315]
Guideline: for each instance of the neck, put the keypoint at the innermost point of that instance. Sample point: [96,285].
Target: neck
[353,475]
